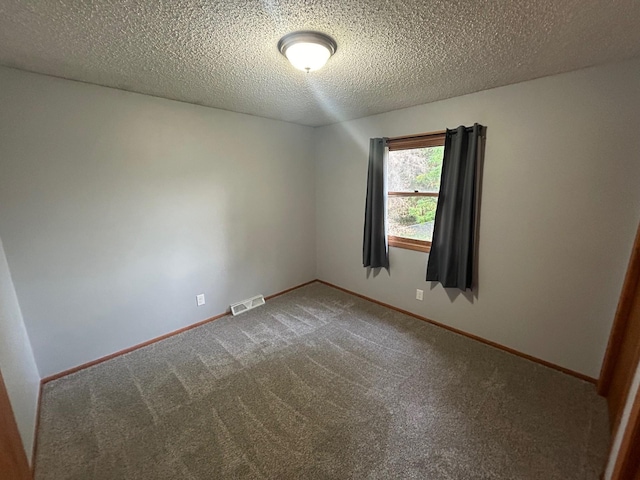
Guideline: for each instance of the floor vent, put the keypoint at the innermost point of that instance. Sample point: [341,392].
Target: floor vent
[244,305]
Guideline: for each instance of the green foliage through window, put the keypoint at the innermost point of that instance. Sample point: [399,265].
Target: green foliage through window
[410,171]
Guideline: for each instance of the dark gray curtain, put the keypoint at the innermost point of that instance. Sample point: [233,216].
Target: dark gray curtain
[451,259]
[375,251]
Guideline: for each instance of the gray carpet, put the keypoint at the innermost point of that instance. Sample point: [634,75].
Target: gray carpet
[319,384]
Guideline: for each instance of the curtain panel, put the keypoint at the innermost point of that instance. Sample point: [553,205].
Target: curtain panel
[451,260]
[375,250]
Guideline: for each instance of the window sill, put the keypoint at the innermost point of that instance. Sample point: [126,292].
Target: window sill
[409,244]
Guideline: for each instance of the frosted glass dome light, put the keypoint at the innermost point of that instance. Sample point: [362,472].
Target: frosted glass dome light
[307,56]
[307,51]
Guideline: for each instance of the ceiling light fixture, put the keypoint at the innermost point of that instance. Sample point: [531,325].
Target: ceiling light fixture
[307,51]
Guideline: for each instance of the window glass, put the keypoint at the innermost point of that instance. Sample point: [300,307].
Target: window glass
[415,169]
[411,217]
[413,185]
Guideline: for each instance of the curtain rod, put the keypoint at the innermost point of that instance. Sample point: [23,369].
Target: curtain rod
[432,134]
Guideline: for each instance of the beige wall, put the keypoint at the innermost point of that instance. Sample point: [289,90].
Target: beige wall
[560,207]
[17,364]
[118,208]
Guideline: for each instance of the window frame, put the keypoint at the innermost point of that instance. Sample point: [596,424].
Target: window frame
[408,142]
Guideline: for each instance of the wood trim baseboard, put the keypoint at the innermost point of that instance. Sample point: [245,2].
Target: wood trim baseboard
[269,297]
[64,373]
[84,366]
[567,371]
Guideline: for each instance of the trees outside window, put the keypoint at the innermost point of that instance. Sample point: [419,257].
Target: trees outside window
[413,183]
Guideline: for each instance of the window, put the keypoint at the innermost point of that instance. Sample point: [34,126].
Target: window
[413,182]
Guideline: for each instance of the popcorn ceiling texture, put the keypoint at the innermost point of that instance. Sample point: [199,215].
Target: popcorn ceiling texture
[391,54]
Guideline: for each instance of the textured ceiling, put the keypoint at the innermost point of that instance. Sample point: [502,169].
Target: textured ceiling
[391,54]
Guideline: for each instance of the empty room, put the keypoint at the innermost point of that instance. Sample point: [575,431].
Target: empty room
[293,239]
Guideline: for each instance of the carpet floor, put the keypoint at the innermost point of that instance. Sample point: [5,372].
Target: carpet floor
[320,384]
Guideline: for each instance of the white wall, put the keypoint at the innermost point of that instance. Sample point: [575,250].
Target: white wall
[116,209]
[17,364]
[560,207]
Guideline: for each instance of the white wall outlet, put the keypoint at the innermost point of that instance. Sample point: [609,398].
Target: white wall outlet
[200,299]
[419,294]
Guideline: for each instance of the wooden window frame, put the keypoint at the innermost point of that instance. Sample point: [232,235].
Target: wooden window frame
[423,140]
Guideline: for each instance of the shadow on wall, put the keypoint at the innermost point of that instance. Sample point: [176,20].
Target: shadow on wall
[454,293]
[376,271]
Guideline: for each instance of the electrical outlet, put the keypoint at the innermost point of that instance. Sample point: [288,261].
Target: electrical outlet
[200,299]
[419,294]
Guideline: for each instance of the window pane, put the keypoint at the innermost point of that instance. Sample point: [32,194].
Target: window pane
[415,169]
[411,217]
